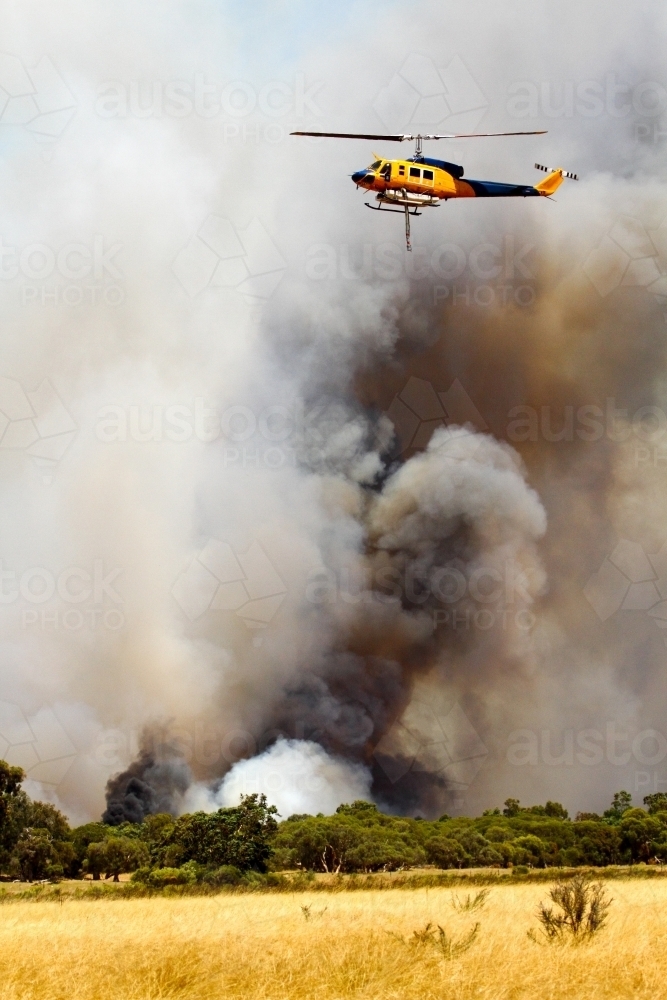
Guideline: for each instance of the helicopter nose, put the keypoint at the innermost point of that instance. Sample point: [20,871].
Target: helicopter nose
[359,176]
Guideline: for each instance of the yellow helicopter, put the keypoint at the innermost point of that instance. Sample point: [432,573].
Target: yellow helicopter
[405,186]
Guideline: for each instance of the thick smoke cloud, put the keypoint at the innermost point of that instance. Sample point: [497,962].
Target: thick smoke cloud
[456,559]
[154,783]
[297,775]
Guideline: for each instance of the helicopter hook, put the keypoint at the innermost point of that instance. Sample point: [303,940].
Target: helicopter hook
[407,228]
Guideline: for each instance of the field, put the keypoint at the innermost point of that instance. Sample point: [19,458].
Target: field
[326,945]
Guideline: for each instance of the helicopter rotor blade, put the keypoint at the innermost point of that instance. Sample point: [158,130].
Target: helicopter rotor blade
[474,135]
[356,135]
[405,137]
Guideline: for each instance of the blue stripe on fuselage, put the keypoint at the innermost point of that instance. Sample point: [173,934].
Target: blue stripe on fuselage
[493,189]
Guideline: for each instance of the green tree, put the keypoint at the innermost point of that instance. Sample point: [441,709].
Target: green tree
[530,850]
[123,854]
[14,810]
[94,862]
[640,835]
[621,802]
[475,845]
[10,785]
[82,837]
[238,836]
[383,849]
[597,843]
[512,807]
[37,855]
[445,852]
[497,834]
[556,810]
[656,802]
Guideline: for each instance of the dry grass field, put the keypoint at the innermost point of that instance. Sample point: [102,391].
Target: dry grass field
[348,944]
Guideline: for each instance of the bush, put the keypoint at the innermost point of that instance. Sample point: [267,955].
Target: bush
[225,875]
[158,878]
[583,909]
[447,946]
[192,872]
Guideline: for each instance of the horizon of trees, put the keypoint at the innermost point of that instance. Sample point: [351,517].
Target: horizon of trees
[245,841]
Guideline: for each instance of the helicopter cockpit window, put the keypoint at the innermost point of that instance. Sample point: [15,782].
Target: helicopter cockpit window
[415,172]
[386,171]
[401,170]
[376,165]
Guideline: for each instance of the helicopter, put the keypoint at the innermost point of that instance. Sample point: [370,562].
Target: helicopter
[405,186]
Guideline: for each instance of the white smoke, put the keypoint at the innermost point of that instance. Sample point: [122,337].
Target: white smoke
[297,776]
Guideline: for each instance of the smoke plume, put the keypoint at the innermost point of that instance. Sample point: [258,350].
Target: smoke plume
[327,509]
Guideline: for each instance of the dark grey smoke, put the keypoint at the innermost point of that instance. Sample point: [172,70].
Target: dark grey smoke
[154,783]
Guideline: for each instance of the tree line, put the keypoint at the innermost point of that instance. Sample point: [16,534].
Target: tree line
[37,842]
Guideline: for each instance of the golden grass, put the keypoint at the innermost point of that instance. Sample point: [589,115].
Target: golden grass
[262,947]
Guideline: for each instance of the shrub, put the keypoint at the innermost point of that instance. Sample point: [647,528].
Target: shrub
[158,878]
[470,903]
[583,909]
[191,872]
[224,875]
[447,946]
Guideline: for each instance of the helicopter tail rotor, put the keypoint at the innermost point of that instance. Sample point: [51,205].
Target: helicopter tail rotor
[553,180]
[552,170]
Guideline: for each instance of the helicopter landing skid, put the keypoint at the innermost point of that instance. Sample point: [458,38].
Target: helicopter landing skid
[380,208]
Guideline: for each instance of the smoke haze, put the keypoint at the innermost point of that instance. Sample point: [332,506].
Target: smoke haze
[273,483]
